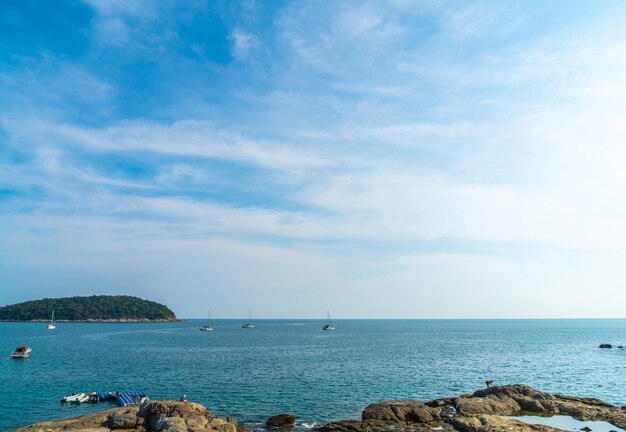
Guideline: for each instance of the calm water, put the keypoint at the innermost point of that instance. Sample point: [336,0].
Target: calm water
[291,365]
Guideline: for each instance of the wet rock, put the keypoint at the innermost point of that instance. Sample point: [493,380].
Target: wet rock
[281,421]
[605,345]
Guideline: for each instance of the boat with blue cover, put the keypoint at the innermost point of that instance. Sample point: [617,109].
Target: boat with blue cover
[122,398]
[130,398]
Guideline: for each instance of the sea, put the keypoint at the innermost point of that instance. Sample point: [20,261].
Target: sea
[293,366]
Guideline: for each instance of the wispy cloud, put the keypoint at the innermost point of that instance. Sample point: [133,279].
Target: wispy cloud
[450,147]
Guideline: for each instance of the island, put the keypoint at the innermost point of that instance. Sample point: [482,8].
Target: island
[97,308]
[507,408]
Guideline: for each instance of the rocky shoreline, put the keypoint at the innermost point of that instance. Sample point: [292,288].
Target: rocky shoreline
[488,410]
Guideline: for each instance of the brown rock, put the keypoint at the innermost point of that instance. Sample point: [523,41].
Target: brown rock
[486,410]
[152,416]
[172,424]
[492,423]
[374,426]
[401,411]
[126,419]
[500,404]
[281,421]
[97,421]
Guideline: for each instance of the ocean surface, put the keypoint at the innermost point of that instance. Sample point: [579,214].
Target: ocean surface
[294,366]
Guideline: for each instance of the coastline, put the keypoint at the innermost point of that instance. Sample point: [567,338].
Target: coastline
[295,367]
[494,409]
[95,321]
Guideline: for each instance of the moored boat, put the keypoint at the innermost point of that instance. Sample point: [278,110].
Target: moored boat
[21,352]
[250,323]
[329,323]
[51,326]
[72,398]
[209,326]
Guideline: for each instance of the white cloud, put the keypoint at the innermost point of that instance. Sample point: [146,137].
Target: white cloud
[394,157]
[185,138]
[243,42]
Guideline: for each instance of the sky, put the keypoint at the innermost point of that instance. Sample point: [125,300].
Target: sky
[397,159]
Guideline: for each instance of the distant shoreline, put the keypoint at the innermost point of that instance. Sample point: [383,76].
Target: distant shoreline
[96,321]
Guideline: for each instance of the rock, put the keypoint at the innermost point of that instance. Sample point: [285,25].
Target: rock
[604,345]
[447,412]
[281,421]
[352,426]
[401,411]
[126,419]
[90,422]
[152,416]
[172,424]
[486,410]
[489,423]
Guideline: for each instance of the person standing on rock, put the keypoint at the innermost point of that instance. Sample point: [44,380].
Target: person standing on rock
[489,383]
[183,398]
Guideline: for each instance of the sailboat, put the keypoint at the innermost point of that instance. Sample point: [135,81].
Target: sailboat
[51,326]
[209,326]
[250,323]
[329,323]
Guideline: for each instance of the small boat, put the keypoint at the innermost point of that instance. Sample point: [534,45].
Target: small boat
[84,398]
[21,352]
[51,326]
[250,323]
[80,398]
[329,323]
[209,326]
[72,398]
[130,398]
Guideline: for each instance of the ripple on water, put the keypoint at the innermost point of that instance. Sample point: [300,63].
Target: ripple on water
[319,376]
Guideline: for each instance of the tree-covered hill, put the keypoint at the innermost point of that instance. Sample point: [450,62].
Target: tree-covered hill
[94,308]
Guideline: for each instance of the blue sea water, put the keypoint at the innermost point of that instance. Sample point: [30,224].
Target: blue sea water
[294,366]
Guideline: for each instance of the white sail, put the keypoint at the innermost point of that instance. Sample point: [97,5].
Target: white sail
[51,326]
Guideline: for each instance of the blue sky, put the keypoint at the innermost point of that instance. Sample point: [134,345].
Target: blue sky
[376,159]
